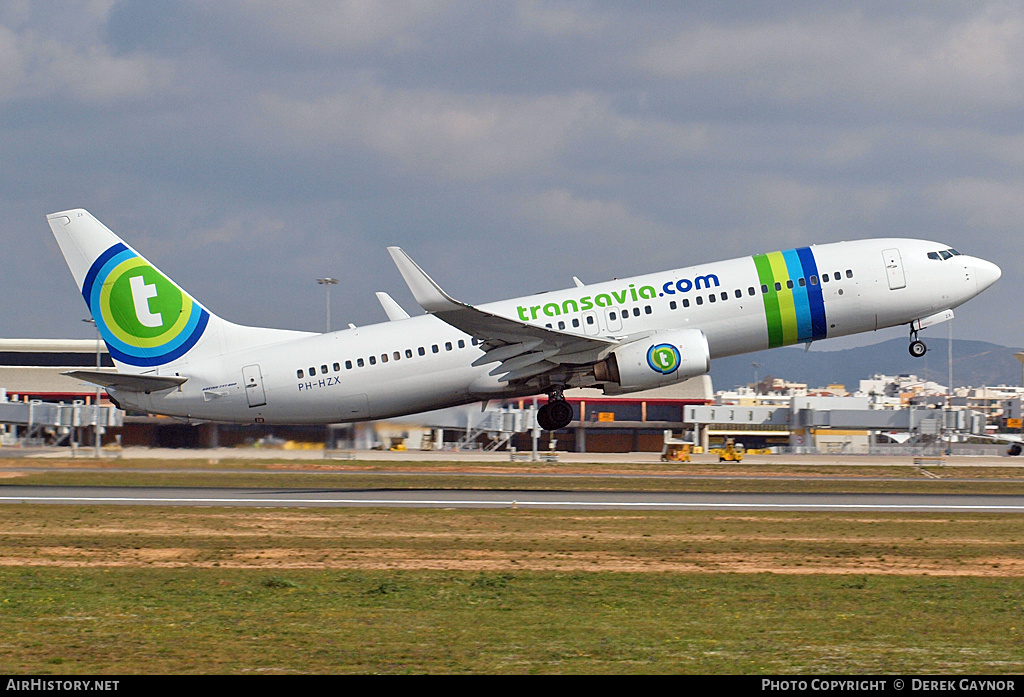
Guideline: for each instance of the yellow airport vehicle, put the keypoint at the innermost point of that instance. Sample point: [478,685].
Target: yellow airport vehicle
[677,452]
[675,449]
[732,452]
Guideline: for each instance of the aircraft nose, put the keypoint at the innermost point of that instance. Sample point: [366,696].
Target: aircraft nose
[987,273]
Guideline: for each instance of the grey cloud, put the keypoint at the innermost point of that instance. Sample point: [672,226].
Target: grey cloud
[249,147]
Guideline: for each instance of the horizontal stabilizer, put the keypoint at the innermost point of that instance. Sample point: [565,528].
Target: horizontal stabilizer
[128,382]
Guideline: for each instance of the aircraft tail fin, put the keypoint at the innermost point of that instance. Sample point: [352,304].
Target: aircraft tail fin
[145,318]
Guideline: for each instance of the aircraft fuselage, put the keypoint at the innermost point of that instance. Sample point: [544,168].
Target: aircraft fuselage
[422,363]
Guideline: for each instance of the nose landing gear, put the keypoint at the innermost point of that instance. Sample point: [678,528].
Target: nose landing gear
[917,347]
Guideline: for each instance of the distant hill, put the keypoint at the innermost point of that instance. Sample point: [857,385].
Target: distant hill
[975,363]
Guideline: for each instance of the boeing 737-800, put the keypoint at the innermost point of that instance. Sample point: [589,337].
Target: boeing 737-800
[175,357]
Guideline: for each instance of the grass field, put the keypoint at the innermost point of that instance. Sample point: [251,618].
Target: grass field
[148,590]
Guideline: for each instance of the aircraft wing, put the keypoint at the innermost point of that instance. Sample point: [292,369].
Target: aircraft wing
[523,350]
[127,382]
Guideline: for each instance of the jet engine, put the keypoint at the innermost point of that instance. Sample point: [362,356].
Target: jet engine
[659,359]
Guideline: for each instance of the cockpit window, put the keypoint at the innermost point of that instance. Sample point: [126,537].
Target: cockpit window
[944,254]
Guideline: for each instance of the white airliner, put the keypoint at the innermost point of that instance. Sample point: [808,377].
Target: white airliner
[175,357]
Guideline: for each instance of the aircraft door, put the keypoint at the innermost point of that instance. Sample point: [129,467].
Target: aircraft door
[253,379]
[894,269]
[590,324]
[614,319]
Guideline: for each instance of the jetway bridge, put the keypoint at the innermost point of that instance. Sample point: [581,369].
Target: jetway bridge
[48,423]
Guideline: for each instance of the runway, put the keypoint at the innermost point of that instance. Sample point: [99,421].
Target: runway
[520,499]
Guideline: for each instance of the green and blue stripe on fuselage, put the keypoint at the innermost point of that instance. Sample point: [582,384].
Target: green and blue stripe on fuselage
[794,306]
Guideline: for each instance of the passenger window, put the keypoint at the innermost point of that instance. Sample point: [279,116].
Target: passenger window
[373,360]
[814,280]
[849,273]
[712,298]
[725,296]
[700,299]
[323,370]
[824,278]
[434,348]
[462,343]
[398,355]
[739,293]
[383,358]
[764,289]
[802,281]
[447,346]
[360,362]
[837,275]
[299,373]
[647,309]
[408,353]
[561,324]
[337,367]
[422,351]
[636,312]
[576,322]
[672,304]
[348,365]
[312,371]
[778,286]
[611,315]
[750,290]
[789,283]
[590,319]
[686,302]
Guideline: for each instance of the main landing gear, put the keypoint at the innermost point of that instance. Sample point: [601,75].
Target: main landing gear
[917,347]
[556,413]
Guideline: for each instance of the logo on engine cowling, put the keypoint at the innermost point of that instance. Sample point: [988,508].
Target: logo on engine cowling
[663,358]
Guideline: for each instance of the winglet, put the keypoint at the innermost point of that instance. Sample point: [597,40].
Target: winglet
[427,293]
[393,310]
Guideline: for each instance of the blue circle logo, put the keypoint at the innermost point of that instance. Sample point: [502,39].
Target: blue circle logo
[144,318]
[664,358]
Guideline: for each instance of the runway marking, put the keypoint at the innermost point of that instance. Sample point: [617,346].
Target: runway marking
[517,503]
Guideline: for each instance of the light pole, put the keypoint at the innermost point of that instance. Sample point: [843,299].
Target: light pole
[327,283]
[96,403]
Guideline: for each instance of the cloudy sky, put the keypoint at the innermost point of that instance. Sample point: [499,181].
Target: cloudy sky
[249,147]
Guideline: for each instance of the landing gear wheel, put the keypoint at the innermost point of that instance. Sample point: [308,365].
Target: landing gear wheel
[917,348]
[554,415]
[1014,450]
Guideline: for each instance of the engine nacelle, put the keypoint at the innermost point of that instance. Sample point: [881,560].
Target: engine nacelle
[657,360]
